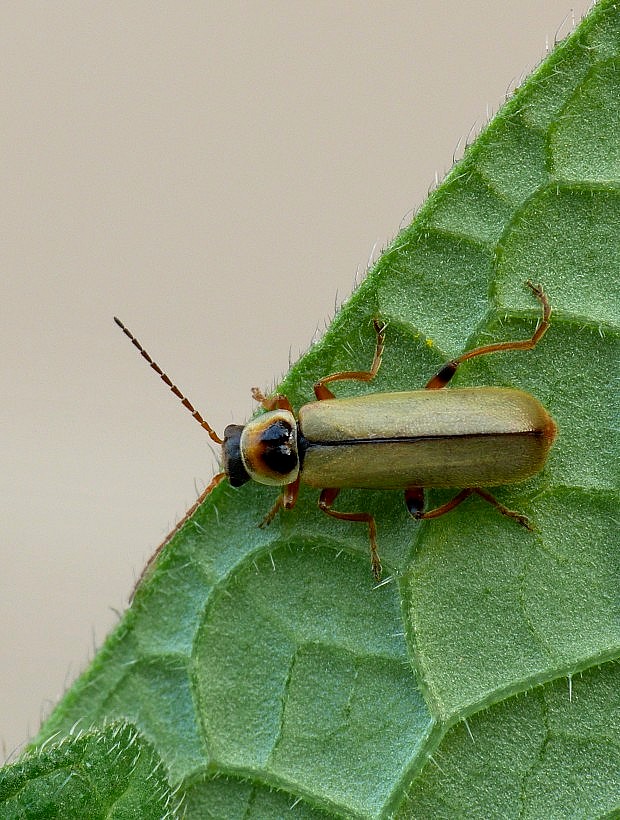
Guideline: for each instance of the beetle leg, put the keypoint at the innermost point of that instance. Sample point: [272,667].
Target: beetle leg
[213,484]
[414,499]
[327,498]
[275,402]
[443,376]
[272,512]
[286,501]
[518,517]
[322,392]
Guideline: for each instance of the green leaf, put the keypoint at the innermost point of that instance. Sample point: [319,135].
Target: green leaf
[109,773]
[482,679]
[555,751]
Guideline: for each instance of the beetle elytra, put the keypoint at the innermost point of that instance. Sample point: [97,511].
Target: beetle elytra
[469,438]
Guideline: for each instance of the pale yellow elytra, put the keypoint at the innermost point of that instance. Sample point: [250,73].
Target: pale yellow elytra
[469,438]
[424,438]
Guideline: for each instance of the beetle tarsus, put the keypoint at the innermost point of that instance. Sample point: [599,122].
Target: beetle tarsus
[267,519]
[375,563]
[521,519]
[537,290]
[276,402]
[524,521]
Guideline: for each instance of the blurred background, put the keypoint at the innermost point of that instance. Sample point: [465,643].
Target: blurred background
[217,174]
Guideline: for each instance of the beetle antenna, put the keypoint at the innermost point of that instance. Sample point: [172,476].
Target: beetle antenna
[166,379]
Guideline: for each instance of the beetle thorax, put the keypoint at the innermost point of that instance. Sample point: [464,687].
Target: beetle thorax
[269,448]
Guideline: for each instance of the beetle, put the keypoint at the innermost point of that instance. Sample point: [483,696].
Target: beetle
[470,438]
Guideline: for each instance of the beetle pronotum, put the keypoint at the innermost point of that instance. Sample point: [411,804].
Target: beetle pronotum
[468,438]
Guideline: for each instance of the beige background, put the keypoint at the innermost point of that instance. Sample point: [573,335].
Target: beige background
[215,173]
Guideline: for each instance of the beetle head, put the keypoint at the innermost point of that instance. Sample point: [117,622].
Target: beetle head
[231,456]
